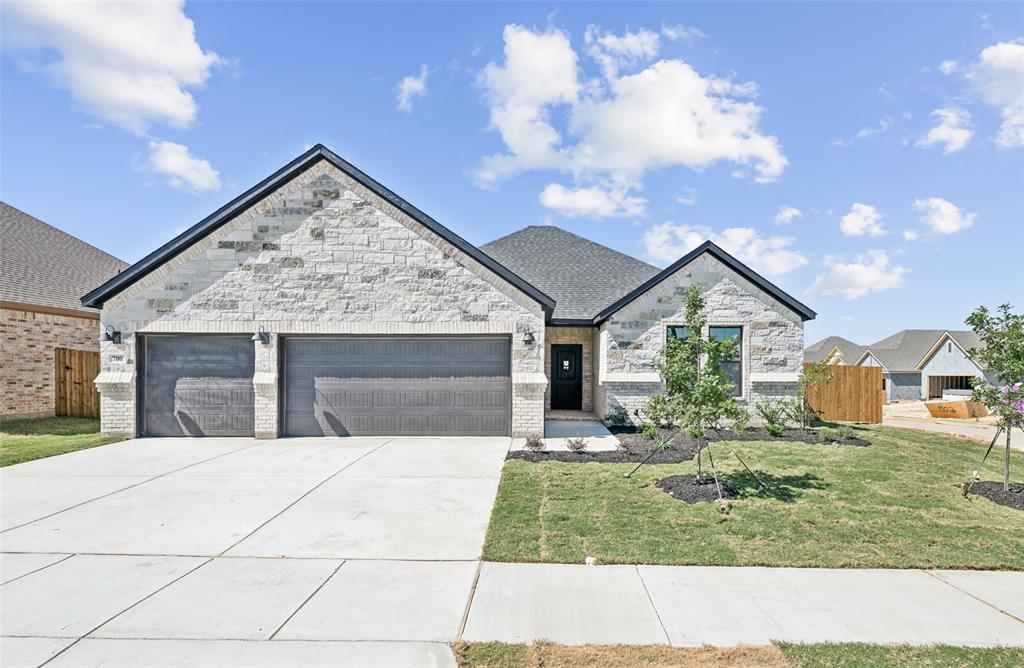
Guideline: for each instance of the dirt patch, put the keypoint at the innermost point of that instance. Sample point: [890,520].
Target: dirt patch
[686,488]
[634,447]
[993,491]
[551,655]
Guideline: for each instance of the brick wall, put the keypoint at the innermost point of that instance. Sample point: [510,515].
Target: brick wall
[27,341]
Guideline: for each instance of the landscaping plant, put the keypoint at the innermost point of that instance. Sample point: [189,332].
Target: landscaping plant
[649,431]
[773,413]
[534,443]
[577,444]
[1002,354]
[801,410]
[617,417]
[698,395]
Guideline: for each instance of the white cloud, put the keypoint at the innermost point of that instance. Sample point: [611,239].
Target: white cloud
[862,219]
[998,79]
[942,216]
[948,66]
[590,201]
[688,196]
[883,124]
[910,235]
[787,214]
[616,52]
[410,87]
[868,273]
[688,34]
[616,129]
[183,170]
[953,130]
[129,63]
[772,255]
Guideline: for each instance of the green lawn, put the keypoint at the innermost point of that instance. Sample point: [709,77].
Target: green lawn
[24,440]
[890,505]
[781,655]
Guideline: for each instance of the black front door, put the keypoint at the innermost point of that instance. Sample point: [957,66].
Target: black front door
[566,377]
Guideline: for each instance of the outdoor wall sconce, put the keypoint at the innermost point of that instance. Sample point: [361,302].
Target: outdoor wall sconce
[262,336]
[528,338]
[111,334]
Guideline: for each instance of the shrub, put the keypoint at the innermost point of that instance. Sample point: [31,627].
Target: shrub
[845,431]
[829,434]
[741,422]
[534,443]
[617,417]
[773,413]
[774,429]
[649,431]
[577,444]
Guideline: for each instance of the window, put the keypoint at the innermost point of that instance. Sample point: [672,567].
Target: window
[949,347]
[733,368]
[678,332]
[883,385]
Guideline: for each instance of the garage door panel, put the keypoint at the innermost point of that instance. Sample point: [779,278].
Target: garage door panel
[198,386]
[439,386]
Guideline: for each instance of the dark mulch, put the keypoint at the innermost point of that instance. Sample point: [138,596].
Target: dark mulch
[686,488]
[993,491]
[634,447]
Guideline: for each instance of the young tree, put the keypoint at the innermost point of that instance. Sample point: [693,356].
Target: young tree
[1001,354]
[698,394]
[802,412]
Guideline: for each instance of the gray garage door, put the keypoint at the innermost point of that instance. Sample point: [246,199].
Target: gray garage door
[399,386]
[198,386]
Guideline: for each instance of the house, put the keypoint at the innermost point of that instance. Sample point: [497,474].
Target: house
[916,363]
[321,303]
[43,272]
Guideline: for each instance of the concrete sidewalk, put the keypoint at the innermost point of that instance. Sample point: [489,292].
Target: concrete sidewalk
[692,606]
[977,431]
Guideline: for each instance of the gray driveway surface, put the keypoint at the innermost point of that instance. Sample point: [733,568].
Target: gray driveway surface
[357,551]
[365,552]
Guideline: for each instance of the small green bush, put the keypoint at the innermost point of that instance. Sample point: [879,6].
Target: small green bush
[845,431]
[742,422]
[829,434]
[649,431]
[617,417]
[774,429]
[773,413]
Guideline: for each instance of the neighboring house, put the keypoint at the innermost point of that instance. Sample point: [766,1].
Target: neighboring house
[319,302]
[43,274]
[833,350]
[916,363]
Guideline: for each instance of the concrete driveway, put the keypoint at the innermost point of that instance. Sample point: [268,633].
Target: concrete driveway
[358,551]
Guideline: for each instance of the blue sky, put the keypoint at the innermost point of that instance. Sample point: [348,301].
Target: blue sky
[865,157]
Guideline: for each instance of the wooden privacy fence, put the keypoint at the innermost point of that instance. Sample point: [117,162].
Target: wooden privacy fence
[854,395]
[75,371]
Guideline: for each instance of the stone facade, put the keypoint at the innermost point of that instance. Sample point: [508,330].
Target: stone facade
[633,338]
[582,336]
[320,255]
[27,342]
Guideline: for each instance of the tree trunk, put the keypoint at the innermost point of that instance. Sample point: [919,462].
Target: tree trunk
[1006,462]
[700,449]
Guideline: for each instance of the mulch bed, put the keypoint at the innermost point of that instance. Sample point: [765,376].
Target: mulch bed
[634,447]
[993,491]
[686,488]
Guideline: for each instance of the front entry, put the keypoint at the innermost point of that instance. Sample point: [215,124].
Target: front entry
[566,377]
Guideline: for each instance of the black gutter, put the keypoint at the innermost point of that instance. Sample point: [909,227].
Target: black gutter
[797,307]
[296,167]
[570,322]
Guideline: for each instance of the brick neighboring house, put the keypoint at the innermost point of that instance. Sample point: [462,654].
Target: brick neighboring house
[43,274]
[319,302]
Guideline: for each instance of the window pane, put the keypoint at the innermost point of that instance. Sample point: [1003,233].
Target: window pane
[726,333]
[735,373]
[680,333]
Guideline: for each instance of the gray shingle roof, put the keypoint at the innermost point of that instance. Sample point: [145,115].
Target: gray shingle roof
[582,276]
[901,352]
[41,265]
[816,352]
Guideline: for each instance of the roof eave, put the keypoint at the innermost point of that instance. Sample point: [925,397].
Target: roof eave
[296,167]
[794,305]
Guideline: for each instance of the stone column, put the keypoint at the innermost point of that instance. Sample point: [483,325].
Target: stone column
[265,386]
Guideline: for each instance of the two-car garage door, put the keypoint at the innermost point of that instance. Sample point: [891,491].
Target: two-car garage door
[202,386]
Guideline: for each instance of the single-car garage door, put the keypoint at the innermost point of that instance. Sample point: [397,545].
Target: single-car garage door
[397,386]
[197,386]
